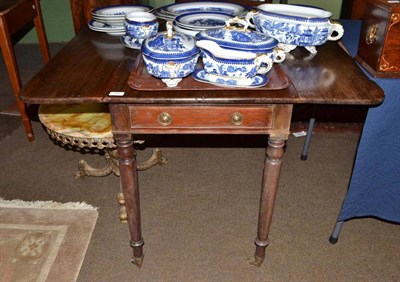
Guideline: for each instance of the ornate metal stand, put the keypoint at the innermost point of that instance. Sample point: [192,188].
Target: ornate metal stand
[111,156]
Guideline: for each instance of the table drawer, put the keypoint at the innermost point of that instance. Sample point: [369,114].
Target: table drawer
[198,118]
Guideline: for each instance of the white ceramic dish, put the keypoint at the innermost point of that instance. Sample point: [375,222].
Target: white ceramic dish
[202,20]
[184,30]
[116,33]
[161,15]
[119,10]
[257,81]
[111,22]
[104,27]
[209,6]
[110,18]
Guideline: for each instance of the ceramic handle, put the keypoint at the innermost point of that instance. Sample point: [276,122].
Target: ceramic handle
[237,20]
[147,30]
[338,28]
[170,32]
[263,59]
[279,55]
[249,18]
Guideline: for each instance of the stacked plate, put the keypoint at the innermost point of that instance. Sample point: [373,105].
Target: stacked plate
[192,23]
[170,12]
[110,19]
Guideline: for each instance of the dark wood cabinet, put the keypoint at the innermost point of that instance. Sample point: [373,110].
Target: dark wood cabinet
[352,9]
[379,48]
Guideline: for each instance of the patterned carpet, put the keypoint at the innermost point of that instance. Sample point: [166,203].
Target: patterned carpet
[43,241]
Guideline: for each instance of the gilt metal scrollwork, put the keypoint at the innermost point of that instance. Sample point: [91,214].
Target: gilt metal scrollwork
[111,156]
[385,65]
[371,34]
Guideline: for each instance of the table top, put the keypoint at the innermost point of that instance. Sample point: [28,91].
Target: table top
[93,64]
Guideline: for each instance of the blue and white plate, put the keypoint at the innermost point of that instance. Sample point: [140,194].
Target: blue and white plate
[114,15]
[161,15]
[202,76]
[104,27]
[130,42]
[202,20]
[118,11]
[185,30]
[203,6]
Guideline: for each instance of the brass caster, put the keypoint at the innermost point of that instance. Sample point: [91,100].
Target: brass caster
[123,216]
[255,261]
[137,261]
[121,198]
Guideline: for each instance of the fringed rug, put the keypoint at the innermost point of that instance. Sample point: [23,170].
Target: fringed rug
[43,241]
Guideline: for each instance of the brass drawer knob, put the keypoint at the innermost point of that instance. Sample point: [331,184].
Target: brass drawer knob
[237,118]
[164,119]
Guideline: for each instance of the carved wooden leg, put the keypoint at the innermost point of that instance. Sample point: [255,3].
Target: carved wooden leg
[129,182]
[272,169]
[155,159]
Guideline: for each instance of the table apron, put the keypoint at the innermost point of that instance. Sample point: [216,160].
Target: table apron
[201,119]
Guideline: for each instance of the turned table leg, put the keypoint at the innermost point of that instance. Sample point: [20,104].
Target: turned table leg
[130,189]
[272,169]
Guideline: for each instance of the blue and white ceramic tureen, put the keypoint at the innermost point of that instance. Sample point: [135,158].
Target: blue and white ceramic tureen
[232,63]
[294,25]
[237,54]
[170,55]
[243,39]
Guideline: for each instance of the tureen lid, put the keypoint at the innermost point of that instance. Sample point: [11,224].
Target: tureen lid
[238,38]
[170,45]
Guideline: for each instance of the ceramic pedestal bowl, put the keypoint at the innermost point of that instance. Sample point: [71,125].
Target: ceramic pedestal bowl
[294,25]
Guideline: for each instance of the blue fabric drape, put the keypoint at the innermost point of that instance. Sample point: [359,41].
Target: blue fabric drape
[374,188]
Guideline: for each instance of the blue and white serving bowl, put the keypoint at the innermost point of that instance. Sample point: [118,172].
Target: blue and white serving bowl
[140,25]
[295,25]
[170,56]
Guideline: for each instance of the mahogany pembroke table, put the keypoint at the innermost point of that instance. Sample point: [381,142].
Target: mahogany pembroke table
[93,65]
